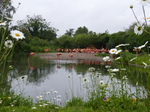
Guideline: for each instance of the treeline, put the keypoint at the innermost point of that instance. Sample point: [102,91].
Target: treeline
[40,35]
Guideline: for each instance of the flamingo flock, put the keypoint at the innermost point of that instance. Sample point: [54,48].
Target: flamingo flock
[84,50]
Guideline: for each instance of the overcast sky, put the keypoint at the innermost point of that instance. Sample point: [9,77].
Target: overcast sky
[97,15]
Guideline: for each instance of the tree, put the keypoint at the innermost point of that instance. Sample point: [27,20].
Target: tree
[69,32]
[81,30]
[65,41]
[38,27]
[82,40]
[6,10]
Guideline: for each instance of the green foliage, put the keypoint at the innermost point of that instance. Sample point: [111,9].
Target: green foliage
[81,40]
[69,32]
[81,30]
[116,39]
[34,44]
[9,10]
[36,26]
[126,57]
[65,41]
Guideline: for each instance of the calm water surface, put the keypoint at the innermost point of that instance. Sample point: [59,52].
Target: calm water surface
[36,76]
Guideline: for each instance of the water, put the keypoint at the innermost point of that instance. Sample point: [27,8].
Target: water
[60,77]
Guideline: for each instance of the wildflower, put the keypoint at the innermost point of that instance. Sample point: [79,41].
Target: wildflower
[33,107]
[91,69]
[69,76]
[114,70]
[85,80]
[106,99]
[59,96]
[140,47]
[48,92]
[117,58]
[101,82]
[17,34]
[106,58]
[132,59]
[121,45]
[131,6]
[124,77]
[107,66]
[112,75]
[40,97]
[9,19]
[145,65]
[9,97]
[8,43]
[55,92]
[2,23]
[113,51]
[137,83]
[138,29]
[58,100]
[118,51]
[1,101]
[123,69]
[10,67]
[144,2]
[133,100]
[56,107]
[51,90]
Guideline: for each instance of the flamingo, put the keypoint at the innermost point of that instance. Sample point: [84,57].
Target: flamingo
[71,56]
[46,50]
[58,54]
[31,54]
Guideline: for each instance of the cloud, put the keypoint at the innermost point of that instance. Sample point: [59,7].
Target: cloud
[97,15]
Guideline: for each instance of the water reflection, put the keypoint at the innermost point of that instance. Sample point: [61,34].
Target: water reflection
[47,75]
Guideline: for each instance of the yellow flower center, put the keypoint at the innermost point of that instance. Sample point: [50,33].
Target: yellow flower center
[139,28]
[113,50]
[18,35]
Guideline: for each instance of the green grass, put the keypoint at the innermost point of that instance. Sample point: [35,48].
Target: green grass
[114,104]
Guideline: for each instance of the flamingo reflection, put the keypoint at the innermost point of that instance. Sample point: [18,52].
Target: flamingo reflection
[31,54]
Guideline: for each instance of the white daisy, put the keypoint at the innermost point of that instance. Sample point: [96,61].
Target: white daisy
[117,52]
[113,51]
[17,34]
[8,43]
[113,70]
[138,29]
[101,82]
[143,45]
[121,45]
[2,23]
[106,58]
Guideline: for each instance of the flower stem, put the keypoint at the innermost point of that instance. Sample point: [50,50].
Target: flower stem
[135,16]
[144,15]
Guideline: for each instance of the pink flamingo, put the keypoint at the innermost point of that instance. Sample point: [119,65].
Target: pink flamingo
[71,56]
[58,54]
[31,54]
[46,50]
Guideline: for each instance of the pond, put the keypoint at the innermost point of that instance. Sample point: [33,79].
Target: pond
[65,78]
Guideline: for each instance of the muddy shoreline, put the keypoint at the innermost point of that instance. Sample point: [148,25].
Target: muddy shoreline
[65,56]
